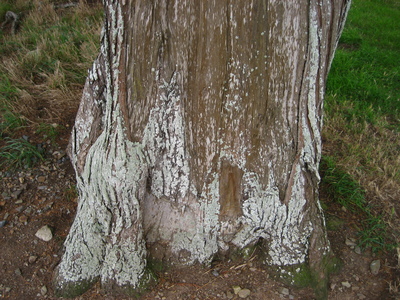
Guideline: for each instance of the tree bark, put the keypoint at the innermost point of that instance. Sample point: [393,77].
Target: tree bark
[199,133]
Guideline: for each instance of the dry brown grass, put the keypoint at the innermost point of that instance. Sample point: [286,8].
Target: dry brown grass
[371,154]
[47,60]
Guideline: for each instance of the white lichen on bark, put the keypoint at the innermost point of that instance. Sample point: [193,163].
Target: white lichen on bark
[164,141]
[190,225]
[200,242]
[106,239]
[266,217]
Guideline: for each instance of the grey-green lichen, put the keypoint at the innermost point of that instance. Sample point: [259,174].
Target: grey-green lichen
[266,217]
[164,142]
[106,238]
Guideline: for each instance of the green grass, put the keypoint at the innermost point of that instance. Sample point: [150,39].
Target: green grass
[4,7]
[8,91]
[49,131]
[341,186]
[360,165]
[10,122]
[366,68]
[374,234]
[44,65]
[346,191]
[19,153]
[71,193]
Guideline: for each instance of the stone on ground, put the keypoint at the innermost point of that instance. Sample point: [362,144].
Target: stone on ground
[44,233]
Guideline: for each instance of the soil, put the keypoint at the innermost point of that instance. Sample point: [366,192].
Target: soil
[45,195]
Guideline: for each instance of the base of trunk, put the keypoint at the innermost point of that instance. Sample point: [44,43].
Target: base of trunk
[72,289]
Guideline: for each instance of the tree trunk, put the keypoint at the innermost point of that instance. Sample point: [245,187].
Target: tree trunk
[199,133]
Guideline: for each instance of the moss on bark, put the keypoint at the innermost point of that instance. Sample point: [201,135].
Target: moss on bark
[146,282]
[71,289]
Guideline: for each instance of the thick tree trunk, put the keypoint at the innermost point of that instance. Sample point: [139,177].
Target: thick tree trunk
[199,132]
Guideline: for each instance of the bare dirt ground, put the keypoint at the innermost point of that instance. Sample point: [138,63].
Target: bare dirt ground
[45,195]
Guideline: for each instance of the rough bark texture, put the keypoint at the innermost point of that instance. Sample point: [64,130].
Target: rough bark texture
[199,132]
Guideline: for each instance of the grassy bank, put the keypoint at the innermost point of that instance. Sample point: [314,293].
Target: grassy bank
[362,121]
[43,66]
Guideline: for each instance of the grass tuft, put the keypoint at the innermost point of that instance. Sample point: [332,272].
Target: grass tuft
[341,186]
[346,191]
[10,122]
[19,153]
[49,131]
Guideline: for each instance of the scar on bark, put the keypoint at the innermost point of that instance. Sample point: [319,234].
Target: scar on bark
[230,191]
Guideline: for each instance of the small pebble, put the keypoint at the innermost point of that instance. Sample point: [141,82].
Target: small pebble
[3,223]
[5,196]
[16,194]
[350,242]
[41,179]
[284,291]
[18,272]
[244,293]
[375,266]
[43,290]
[236,289]
[23,219]
[44,233]
[346,284]
[32,259]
